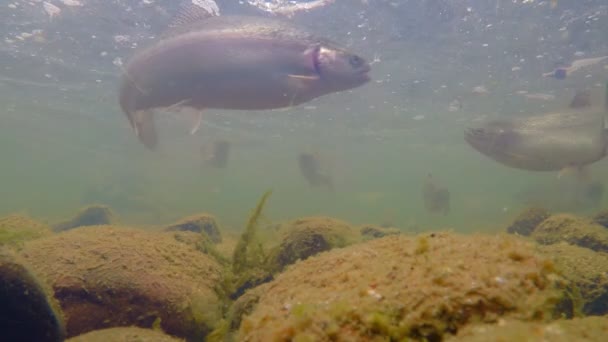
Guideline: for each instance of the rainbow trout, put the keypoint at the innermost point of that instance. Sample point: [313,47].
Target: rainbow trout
[550,142]
[234,62]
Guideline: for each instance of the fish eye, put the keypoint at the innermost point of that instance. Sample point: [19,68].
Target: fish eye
[355,61]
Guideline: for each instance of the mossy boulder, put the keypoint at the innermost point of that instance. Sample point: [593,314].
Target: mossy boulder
[26,312]
[16,229]
[525,223]
[601,218]
[93,215]
[201,223]
[370,231]
[401,287]
[574,230]
[588,329]
[124,334]
[108,276]
[587,273]
[308,236]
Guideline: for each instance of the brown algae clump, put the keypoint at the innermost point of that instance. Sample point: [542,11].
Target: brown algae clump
[93,215]
[106,276]
[200,223]
[391,288]
[525,223]
[16,229]
[588,329]
[574,230]
[125,334]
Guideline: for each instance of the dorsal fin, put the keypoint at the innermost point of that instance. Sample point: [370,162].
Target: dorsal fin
[582,99]
[191,11]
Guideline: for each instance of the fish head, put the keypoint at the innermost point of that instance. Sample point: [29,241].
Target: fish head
[495,140]
[339,68]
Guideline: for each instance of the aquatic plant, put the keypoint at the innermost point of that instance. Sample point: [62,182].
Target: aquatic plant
[249,253]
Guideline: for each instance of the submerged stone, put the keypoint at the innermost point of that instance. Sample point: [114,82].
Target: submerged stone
[308,236]
[26,313]
[126,334]
[399,287]
[107,276]
[16,229]
[574,230]
[94,215]
[525,223]
[587,275]
[201,223]
[369,232]
[587,329]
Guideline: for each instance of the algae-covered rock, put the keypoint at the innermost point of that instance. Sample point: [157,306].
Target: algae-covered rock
[574,230]
[587,273]
[588,329]
[525,223]
[308,236]
[93,215]
[601,218]
[126,334]
[106,276]
[401,287]
[199,223]
[16,229]
[26,312]
[369,232]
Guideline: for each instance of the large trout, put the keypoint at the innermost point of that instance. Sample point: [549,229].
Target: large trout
[556,141]
[234,62]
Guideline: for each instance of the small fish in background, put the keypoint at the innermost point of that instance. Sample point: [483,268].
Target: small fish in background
[561,73]
[313,171]
[436,196]
[216,154]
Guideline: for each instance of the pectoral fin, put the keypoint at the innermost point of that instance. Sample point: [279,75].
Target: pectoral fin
[143,125]
[304,77]
[580,172]
[197,118]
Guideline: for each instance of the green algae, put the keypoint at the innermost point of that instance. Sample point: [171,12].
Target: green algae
[249,252]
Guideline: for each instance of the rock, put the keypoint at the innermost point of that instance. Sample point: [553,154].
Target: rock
[126,334]
[587,273]
[369,232]
[94,215]
[574,230]
[199,223]
[308,236]
[26,313]
[588,329]
[16,229]
[525,223]
[399,287]
[98,272]
[601,218]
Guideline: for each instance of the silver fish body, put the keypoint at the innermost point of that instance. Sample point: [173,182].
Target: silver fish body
[240,63]
[549,142]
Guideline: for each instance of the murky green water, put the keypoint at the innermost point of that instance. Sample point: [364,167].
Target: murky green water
[64,142]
